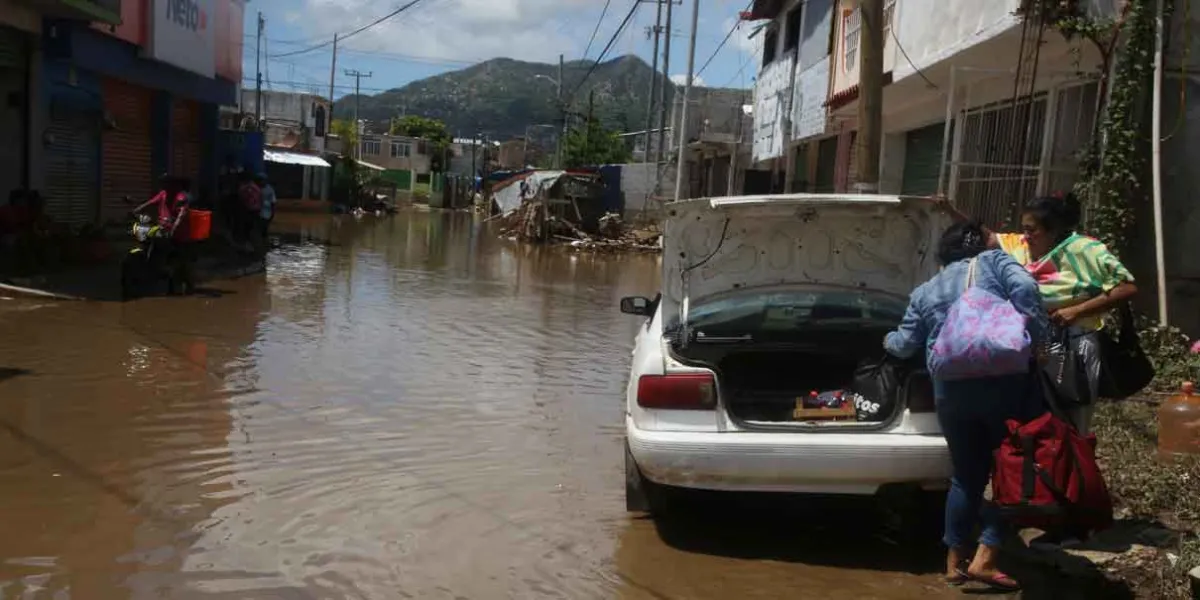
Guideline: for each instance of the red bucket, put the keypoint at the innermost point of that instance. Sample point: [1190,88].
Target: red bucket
[197,226]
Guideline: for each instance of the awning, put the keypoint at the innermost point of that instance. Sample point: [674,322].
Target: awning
[294,158]
[370,166]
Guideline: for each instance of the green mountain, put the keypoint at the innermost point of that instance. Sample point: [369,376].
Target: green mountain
[500,98]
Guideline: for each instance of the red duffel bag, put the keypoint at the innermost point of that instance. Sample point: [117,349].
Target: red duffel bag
[1046,476]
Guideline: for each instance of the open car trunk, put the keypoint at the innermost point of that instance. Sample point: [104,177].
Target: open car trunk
[787,298]
[839,383]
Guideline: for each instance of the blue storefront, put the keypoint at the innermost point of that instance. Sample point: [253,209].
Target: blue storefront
[115,120]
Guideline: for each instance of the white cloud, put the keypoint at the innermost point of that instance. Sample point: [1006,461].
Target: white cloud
[681,79]
[468,30]
[741,39]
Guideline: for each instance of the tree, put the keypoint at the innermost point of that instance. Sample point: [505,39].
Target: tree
[432,131]
[348,133]
[593,145]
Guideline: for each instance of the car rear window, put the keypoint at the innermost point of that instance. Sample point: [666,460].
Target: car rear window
[794,311]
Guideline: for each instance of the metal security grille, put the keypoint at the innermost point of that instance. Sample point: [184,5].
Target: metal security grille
[1004,151]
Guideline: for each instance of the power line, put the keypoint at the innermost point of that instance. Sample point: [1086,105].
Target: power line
[607,47]
[356,31]
[600,22]
[736,25]
[910,62]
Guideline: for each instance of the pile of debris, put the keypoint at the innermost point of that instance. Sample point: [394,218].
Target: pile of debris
[532,223]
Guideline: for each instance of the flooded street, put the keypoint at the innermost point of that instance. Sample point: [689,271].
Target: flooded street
[403,407]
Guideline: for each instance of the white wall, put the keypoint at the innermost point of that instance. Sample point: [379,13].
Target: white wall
[931,31]
[638,182]
[772,103]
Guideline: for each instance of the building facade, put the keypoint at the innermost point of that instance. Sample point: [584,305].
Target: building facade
[406,160]
[978,105]
[1018,115]
[292,123]
[21,81]
[115,93]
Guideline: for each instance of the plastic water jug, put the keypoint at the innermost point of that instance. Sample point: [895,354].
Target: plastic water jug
[1179,424]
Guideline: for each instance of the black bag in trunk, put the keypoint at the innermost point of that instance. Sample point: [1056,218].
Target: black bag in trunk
[877,387]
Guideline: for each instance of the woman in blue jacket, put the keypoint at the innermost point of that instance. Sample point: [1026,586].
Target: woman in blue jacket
[973,412]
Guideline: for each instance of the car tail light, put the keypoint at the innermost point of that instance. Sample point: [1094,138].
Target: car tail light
[919,394]
[691,391]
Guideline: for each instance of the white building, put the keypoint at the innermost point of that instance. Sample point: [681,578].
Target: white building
[1019,111]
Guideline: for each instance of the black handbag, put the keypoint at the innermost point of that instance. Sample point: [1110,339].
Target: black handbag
[1125,369]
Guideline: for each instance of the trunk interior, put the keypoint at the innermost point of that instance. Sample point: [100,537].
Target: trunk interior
[797,385]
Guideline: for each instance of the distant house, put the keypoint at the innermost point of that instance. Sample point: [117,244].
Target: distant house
[406,160]
[295,134]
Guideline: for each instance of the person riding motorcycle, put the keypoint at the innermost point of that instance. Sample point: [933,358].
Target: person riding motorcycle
[171,207]
[171,202]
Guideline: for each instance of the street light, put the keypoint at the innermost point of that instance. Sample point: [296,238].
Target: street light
[525,149]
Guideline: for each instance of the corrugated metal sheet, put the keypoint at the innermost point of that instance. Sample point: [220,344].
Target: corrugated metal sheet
[71,169]
[185,139]
[126,166]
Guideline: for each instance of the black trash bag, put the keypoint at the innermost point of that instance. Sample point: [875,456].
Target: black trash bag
[1066,375]
[1125,369]
[876,388]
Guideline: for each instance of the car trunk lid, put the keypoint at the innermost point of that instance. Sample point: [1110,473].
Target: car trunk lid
[875,242]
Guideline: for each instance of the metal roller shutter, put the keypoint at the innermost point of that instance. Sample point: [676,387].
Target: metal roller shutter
[826,165]
[923,160]
[126,166]
[185,139]
[13,49]
[71,169]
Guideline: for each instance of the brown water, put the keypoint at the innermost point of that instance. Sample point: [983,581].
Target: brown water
[414,410]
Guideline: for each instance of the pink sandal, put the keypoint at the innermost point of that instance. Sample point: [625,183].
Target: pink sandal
[999,581]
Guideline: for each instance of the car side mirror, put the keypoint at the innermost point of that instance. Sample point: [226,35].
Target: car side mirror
[637,305]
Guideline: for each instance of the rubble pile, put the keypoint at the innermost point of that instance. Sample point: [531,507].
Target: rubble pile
[532,223]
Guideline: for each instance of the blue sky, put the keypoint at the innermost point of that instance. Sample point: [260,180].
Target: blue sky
[436,36]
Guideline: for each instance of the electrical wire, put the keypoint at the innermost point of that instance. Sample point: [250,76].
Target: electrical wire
[600,22]
[736,26]
[342,38]
[607,47]
[910,62]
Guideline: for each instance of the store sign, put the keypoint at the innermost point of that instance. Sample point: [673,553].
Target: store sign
[182,34]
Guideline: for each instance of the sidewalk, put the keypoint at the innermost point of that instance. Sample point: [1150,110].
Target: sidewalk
[103,282]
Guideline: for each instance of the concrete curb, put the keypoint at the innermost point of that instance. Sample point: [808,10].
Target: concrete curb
[1195,576]
[33,293]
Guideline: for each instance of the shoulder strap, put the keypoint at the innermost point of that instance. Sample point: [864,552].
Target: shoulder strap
[971,273]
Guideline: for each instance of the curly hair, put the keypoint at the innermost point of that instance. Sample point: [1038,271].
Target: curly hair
[962,241]
[1059,213]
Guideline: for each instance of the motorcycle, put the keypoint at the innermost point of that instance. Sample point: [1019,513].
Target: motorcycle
[154,260]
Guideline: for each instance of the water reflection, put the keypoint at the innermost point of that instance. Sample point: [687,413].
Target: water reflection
[400,407]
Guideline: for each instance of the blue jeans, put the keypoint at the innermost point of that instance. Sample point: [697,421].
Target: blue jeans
[973,415]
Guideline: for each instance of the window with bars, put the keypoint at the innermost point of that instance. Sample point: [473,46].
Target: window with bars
[371,148]
[851,32]
[401,149]
[1009,152]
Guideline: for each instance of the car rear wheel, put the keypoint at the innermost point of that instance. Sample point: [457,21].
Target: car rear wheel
[641,494]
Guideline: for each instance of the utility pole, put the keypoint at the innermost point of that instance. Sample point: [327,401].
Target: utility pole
[687,92]
[258,74]
[870,96]
[657,32]
[358,77]
[332,76]
[662,100]
[562,113]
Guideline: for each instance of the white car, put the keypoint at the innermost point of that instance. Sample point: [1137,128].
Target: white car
[771,305]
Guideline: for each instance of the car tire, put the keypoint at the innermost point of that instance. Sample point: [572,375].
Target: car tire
[641,494]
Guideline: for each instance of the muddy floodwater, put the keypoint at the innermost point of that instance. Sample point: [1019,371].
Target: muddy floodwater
[403,407]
